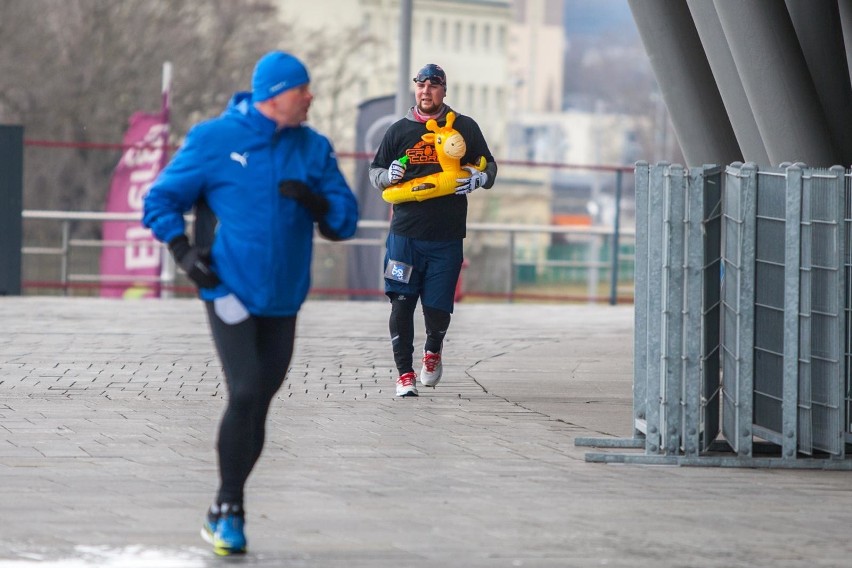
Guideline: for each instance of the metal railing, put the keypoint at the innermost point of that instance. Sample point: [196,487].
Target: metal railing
[594,236]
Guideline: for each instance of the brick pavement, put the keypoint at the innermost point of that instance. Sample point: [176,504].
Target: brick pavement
[108,412]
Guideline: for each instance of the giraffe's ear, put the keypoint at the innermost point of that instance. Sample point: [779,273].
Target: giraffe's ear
[429,137]
[432,125]
[451,118]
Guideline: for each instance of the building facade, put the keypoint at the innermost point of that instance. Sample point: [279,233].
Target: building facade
[470,39]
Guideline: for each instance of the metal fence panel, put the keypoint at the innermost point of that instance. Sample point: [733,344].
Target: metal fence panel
[738,285]
[641,301]
[756,266]
[793,304]
[769,302]
[701,372]
[671,399]
[653,393]
[798,288]
[847,336]
[821,412]
[711,203]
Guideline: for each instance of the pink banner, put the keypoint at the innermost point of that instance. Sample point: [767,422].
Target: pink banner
[130,260]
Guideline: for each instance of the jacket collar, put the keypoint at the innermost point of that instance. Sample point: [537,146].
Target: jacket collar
[241,106]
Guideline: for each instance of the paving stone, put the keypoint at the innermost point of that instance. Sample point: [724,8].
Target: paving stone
[109,410]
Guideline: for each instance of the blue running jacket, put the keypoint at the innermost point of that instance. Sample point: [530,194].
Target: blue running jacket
[263,244]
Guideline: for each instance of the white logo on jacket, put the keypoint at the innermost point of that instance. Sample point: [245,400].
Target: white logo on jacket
[241,159]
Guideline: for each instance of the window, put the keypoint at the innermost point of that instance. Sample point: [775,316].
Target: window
[457,36]
[427,33]
[471,40]
[486,37]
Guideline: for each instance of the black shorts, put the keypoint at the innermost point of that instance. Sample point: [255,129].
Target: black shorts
[429,269]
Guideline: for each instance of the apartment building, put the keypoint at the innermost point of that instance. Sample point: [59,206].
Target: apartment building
[470,39]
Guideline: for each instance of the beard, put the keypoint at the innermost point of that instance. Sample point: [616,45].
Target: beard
[428,108]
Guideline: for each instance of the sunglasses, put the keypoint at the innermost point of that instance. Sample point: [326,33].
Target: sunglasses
[434,79]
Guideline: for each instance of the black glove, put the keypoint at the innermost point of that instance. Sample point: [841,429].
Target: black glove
[327,233]
[195,262]
[315,203]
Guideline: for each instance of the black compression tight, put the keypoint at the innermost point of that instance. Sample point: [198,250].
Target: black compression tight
[401,327]
[437,323]
[255,355]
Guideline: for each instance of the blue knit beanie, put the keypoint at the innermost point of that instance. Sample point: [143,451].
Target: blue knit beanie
[275,73]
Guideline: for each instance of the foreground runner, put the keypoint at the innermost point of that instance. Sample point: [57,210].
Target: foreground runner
[267,178]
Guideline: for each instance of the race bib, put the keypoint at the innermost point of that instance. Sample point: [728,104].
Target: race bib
[398,271]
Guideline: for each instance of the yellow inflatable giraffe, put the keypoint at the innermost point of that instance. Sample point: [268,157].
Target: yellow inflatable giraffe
[449,147]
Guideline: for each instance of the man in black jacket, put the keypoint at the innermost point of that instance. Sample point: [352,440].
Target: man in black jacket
[424,247]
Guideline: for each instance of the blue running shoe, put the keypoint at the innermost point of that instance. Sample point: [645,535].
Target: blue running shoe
[225,529]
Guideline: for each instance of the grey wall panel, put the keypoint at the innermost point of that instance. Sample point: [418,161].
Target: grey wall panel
[845,9]
[11,206]
[686,81]
[728,80]
[818,28]
[777,82]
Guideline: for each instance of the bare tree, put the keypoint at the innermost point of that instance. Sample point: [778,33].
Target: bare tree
[339,70]
[76,70]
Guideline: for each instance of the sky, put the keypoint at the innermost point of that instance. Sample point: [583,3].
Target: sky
[596,17]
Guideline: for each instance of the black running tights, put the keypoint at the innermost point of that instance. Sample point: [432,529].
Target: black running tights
[401,326]
[255,355]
